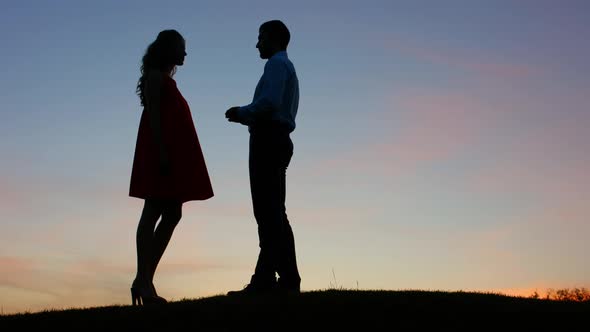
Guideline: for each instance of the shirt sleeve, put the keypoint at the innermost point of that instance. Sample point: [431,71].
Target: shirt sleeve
[274,80]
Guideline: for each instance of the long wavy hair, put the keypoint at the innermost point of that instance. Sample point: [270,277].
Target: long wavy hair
[158,56]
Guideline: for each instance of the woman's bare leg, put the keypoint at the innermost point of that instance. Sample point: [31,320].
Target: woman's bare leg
[171,215]
[145,241]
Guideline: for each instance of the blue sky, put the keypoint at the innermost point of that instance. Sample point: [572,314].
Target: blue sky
[438,146]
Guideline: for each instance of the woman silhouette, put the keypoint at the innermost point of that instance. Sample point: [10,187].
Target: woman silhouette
[168,165]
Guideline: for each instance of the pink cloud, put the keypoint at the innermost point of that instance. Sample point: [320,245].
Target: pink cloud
[462,59]
[36,284]
[533,241]
[12,195]
[24,274]
[12,266]
[435,127]
[98,266]
[330,214]
[548,160]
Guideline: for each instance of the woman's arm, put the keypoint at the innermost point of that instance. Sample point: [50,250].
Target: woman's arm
[153,86]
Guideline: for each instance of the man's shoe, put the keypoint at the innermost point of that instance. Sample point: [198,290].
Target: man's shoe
[255,289]
[288,288]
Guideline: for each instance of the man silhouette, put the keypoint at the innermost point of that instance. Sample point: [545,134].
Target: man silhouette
[270,119]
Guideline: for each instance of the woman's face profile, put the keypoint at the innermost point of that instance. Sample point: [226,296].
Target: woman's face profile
[179,52]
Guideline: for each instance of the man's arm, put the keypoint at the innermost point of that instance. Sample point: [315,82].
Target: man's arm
[271,96]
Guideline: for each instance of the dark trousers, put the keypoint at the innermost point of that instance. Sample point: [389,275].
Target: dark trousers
[270,154]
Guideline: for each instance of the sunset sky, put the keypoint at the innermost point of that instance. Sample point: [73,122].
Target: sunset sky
[440,145]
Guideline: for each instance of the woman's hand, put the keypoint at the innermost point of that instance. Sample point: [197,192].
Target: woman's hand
[164,163]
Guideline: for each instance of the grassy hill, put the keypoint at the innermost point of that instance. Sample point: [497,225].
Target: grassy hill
[331,310]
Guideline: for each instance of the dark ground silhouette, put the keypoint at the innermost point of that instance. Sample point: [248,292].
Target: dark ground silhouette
[333,310]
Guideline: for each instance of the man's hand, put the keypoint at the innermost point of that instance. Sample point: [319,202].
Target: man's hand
[232,114]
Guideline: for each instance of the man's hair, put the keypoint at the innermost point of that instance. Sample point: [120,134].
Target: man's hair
[277,31]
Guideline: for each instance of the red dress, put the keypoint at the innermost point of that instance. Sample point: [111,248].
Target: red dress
[188,178]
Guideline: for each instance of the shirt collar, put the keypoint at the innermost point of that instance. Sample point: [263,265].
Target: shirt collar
[280,54]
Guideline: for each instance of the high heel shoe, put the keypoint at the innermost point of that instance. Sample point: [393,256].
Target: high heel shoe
[139,297]
[135,297]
